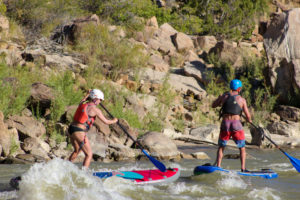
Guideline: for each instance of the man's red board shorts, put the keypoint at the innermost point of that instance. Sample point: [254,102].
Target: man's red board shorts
[234,129]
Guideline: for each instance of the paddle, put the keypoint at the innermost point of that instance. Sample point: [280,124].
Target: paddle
[125,174]
[295,162]
[158,164]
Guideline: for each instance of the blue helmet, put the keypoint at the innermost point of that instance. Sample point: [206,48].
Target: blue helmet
[235,84]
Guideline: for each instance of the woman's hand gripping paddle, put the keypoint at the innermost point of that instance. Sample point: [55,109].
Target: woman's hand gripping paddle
[158,164]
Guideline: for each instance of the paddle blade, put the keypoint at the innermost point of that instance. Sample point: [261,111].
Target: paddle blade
[129,175]
[125,174]
[158,164]
[294,161]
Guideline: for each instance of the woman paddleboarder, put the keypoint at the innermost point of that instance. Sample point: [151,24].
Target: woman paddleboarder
[84,118]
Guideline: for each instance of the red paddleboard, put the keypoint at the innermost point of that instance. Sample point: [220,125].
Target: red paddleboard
[155,176]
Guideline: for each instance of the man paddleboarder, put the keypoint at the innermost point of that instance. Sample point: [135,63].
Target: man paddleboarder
[232,107]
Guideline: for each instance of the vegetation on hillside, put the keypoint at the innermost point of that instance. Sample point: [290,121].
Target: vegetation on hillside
[224,19]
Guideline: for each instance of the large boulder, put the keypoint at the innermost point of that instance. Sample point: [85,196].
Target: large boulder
[36,146]
[205,42]
[198,70]
[98,143]
[288,113]
[157,63]
[159,145]
[4,26]
[123,137]
[161,39]
[179,83]
[228,52]
[119,152]
[208,132]
[68,33]
[288,128]
[281,41]
[5,137]
[26,126]
[41,97]
[182,42]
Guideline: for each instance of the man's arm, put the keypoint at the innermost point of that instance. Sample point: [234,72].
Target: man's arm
[246,111]
[218,101]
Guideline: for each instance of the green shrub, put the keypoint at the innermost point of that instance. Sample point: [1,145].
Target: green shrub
[230,19]
[98,44]
[127,12]
[257,96]
[117,109]
[2,8]
[179,123]
[15,88]
[166,94]
[65,94]
[152,123]
[214,87]
[14,146]
[57,137]
[42,15]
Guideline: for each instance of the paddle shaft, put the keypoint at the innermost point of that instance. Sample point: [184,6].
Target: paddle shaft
[158,164]
[122,127]
[267,137]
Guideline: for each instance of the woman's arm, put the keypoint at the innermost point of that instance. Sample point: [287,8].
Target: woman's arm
[103,118]
[85,97]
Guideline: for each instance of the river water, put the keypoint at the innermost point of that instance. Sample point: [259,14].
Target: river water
[59,179]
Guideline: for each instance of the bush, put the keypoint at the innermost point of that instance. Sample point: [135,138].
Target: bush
[65,93]
[98,44]
[2,8]
[227,19]
[43,15]
[15,88]
[122,12]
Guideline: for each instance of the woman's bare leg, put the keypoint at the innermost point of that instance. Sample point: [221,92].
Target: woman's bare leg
[88,153]
[76,139]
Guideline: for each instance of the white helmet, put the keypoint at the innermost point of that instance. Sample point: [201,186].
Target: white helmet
[95,93]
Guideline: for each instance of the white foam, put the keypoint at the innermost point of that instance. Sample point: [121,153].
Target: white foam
[181,187]
[59,179]
[231,181]
[263,194]
[8,195]
[282,166]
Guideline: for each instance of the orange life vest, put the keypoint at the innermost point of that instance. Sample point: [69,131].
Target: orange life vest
[81,116]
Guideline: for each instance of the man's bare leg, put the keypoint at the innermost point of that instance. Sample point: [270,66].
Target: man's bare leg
[243,158]
[220,156]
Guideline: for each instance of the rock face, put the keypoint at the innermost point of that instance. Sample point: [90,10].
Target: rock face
[4,25]
[26,126]
[5,138]
[159,145]
[41,97]
[288,113]
[281,41]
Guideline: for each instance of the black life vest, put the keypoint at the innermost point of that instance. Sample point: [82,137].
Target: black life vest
[231,106]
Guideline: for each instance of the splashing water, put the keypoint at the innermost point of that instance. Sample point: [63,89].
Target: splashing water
[59,179]
[231,181]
